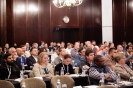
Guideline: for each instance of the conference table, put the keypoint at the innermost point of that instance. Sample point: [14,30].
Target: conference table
[79,81]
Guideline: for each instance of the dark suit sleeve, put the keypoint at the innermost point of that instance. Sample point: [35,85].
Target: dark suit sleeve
[57,68]
[71,70]
[29,62]
[18,63]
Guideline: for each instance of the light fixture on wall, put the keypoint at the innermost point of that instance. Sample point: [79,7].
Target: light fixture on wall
[68,3]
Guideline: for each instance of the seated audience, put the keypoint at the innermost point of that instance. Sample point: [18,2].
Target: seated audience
[28,47]
[33,58]
[5,50]
[35,45]
[68,49]
[103,52]
[25,53]
[51,47]
[111,45]
[121,68]
[60,58]
[42,67]
[93,42]
[124,45]
[62,44]
[46,47]
[119,49]
[99,67]
[109,60]
[74,50]
[21,60]
[100,48]
[129,54]
[9,70]
[55,55]
[7,46]
[13,52]
[41,44]
[68,69]
[87,62]
[80,56]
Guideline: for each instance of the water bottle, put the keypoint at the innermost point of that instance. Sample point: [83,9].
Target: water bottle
[23,67]
[83,71]
[23,85]
[62,71]
[130,65]
[101,82]
[58,84]
[118,79]
[21,74]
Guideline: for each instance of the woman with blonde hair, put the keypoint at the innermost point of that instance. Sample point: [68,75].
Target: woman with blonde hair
[42,67]
[121,68]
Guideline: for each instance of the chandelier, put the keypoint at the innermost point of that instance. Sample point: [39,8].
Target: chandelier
[68,3]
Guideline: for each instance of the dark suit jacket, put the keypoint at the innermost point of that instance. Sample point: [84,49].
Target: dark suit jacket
[128,58]
[19,63]
[30,61]
[15,72]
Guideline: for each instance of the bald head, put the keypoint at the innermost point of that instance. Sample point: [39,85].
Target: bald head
[19,51]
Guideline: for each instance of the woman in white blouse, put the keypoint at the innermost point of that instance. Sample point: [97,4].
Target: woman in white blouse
[42,67]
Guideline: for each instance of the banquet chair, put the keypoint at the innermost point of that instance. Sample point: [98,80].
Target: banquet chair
[34,83]
[107,86]
[64,80]
[6,84]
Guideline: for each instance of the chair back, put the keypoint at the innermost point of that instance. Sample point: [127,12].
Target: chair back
[34,83]
[64,80]
[6,84]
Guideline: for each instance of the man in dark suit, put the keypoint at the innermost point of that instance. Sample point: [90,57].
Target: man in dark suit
[33,58]
[9,70]
[21,60]
[129,54]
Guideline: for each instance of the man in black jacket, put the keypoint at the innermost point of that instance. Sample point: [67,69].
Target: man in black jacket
[9,70]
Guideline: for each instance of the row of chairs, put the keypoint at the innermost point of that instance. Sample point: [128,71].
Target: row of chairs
[38,83]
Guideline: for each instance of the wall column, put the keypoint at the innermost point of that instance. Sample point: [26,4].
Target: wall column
[107,31]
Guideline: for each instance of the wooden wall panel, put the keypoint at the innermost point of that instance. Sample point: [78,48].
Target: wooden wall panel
[2,22]
[32,23]
[122,21]
[20,24]
[92,20]
[129,20]
[46,33]
[33,26]
[9,22]
[57,15]
[119,31]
